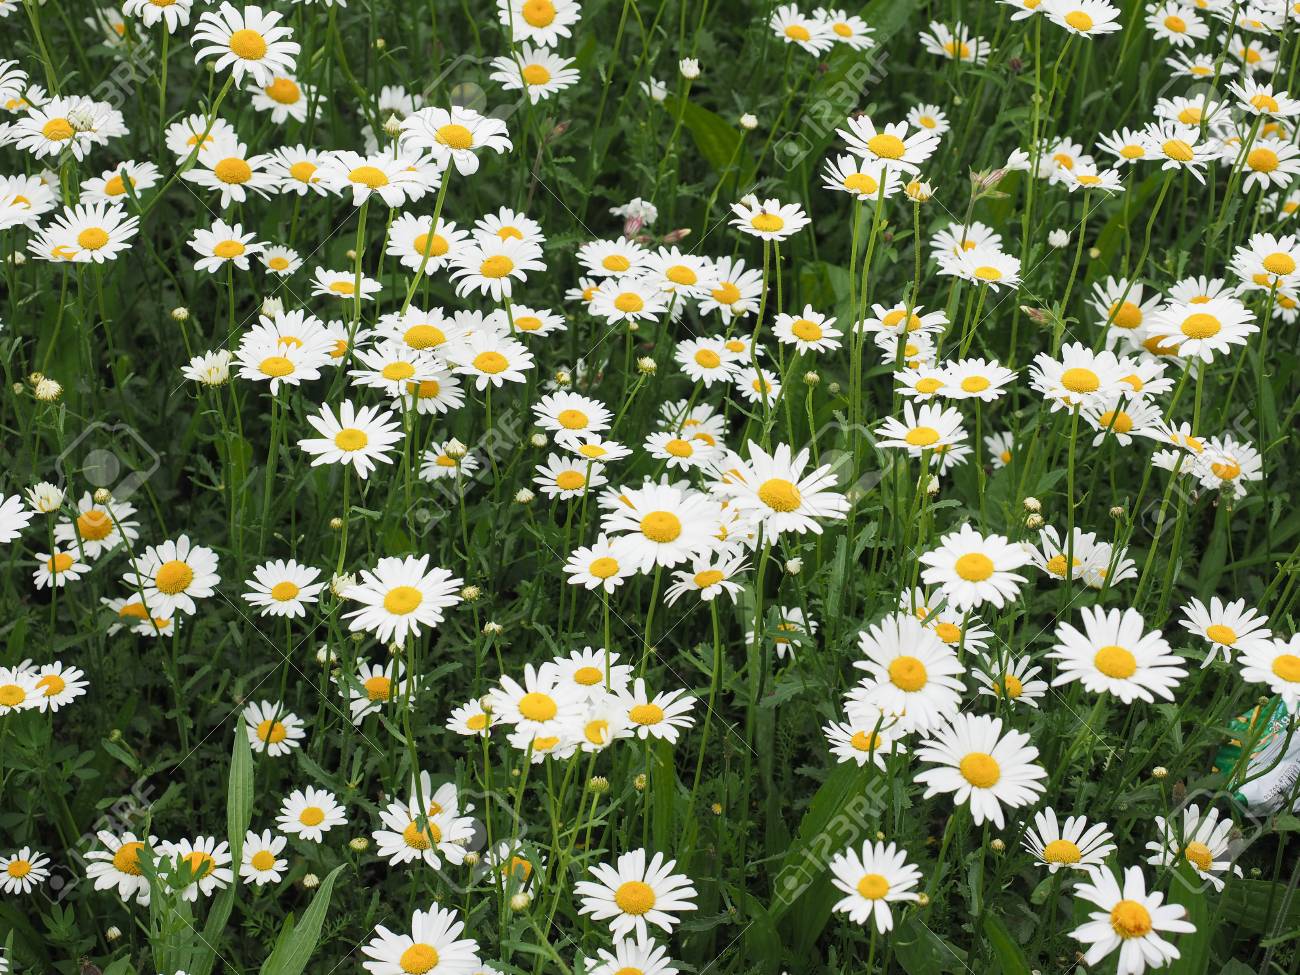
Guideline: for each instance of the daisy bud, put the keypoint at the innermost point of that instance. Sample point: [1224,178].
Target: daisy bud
[35,377]
[833,389]
[919,191]
[639,782]
[351,254]
[562,378]
[538,440]
[1256,872]
[471,859]
[47,391]
[689,67]
[359,844]
[716,809]
[794,566]
[1034,522]
[455,449]
[1036,315]
[1159,772]
[1059,238]
[1117,511]
[1094,253]
[520,901]
[598,785]
[336,523]
[81,119]
[18,258]
[470,593]
[997,846]
[633,327]
[923,900]
[673,236]
[811,378]
[646,366]
[394,649]
[113,933]
[559,130]
[341,582]
[17,389]
[311,881]
[115,734]
[485,702]
[393,126]
[932,488]
[748,122]
[103,495]
[180,313]
[272,307]
[1032,504]
[380,44]
[524,496]
[491,628]
[880,835]
[45,497]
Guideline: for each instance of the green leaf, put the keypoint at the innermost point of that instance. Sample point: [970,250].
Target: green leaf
[1008,953]
[291,954]
[718,140]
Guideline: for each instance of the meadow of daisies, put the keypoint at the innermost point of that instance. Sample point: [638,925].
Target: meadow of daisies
[638,487]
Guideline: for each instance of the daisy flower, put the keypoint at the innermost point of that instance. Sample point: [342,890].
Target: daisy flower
[663,715]
[260,863]
[974,569]
[443,834]
[1015,683]
[115,185]
[1276,663]
[455,137]
[491,360]
[865,180]
[541,22]
[1080,377]
[1087,18]
[956,43]
[1271,162]
[1227,627]
[23,871]
[170,576]
[662,525]
[634,893]
[642,957]
[868,735]
[172,13]
[266,357]
[434,945]
[250,42]
[627,299]
[1114,655]
[809,331]
[399,596]
[378,175]
[594,671]
[295,169]
[98,528]
[284,97]
[491,265]
[983,265]
[770,220]
[1228,465]
[679,453]
[310,813]
[871,880]
[813,34]
[1199,330]
[470,719]
[1267,261]
[534,70]
[437,462]
[976,379]
[360,436]
[568,413]
[58,685]
[565,479]
[86,233]
[343,284]
[1073,845]
[1130,921]
[375,685]
[737,291]
[980,765]
[911,673]
[281,588]
[227,168]
[603,565]
[272,729]
[1176,146]
[777,489]
[1204,842]
[927,428]
[414,241]
[538,705]
[202,864]
[280,261]
[25,199]
[117,865]
[892,146]
[223,244]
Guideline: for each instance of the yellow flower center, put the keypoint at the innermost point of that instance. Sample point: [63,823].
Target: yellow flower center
[1279,263]
[981,770]
[538,13]
[865,741]
[987,272]
[1079,20]
[1119,421]
[491,362]
[173,577]
[708,358]
[616,263]
[535,74]
[1223,635]
[528,323]
[1062,851]
[283,90]
[398,371]
[887,146]
[418,839]
[92,238]
[646,714]
[94,525]
[418,959]
[922,436]
[536,706]
[350,438]
[1262,160]
[424,336]
[303,171]
[974,567]
[768,223]
[873,886]
[603,567]
[378,688]
[1178,150]
[708,578]
[402,600]
[248,45]
[1126,315]
[679,448]
[681,274]
[1199,854]
[435,245]
[272,732]
[282,592]
[1226,470]
[200,864]
[798,32]
[57,130]
[1079,380]
[496,266]
[1176,24]
[597,731]
[629,302]
[861,183]
[1287,666]
[661,526]
[588,676]
[262,860]
[232,169]
[726,293]
[1129,919]
[312,816]
[1201,326]
[907,673]
[454,136]
[634,897]
[573,419]
[371,176]
[127,858]
[52,684]
[807,330]
[569,480]
[948,632]
[779,494]
[1115,662]
[1265,103]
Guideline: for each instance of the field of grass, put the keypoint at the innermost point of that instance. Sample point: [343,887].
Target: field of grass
[637,487]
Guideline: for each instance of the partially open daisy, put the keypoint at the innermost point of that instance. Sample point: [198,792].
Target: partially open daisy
[261,862]
[866,734]
[1130,921]
[1011,680]
[1204,842]
[434,946]
[1228,628]
[778,490]
[1072,845]
[974,569]
[911,673]
[1114,655]
[360,436]
[201,865]
[272,729]
[872,879]
[399,596]
[172,575]
[635,893]
[310,813]
[981,765]
[250,42]
[454,137]
[283,588]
